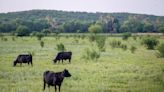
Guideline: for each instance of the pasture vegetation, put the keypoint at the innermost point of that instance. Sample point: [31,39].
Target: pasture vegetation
[115,70]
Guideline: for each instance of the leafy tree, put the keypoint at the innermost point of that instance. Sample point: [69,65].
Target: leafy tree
[132,25]
[148,27]
[46,31]
[95,29]
[22,31]
[126,35]
[109,23]
[161,29]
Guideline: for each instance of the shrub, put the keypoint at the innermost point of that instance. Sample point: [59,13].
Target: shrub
[101,43]
[41,43]
[126,35]
[4,39]
[161,49]
[13,38]
[92,37]
[150,42]
[133,49]
[60,47]
[124,46]
[134,37]
[39,35]
[91,55]
[115,44]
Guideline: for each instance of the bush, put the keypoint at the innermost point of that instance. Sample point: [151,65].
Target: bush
[41,43]
[60,47]
[101,43]
[126,35]
[161,49]
[91,55]
[4,39]
[150,42]
[39,35]
[124,46]
[13,38]
[134,37]
[92,38]
[133,49]
[115,44]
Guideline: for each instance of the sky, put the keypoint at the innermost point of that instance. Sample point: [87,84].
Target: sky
[153,7]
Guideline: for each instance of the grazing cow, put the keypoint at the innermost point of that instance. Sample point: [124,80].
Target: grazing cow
[54,79]
[63,56]
[24,58]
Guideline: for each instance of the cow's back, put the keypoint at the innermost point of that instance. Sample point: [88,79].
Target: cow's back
[24,58]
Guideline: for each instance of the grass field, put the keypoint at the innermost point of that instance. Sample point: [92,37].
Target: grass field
[115,71]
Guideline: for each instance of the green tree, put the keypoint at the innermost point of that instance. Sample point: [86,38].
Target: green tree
[109,23]
[22,31]
[161,29]
[95,29]
[126,35]
[46,31]
[148,27]
[132,25]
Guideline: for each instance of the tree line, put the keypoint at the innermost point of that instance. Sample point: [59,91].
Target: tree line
[52,21]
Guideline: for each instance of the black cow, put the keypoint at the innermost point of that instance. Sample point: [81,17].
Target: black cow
[54,79]
[23,58]
[63,56]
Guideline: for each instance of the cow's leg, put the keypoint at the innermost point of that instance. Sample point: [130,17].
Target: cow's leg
[44,84]
[62,61]
[49,87]
[69,60]
[21,64]
[59,88]
[55,88]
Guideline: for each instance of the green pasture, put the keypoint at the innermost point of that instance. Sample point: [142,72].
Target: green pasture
[116,70]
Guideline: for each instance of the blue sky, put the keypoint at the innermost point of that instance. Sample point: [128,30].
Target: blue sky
[154,7]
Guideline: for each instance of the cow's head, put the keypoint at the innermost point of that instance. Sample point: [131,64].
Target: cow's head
[66,73]
[14,63]
[55,60]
